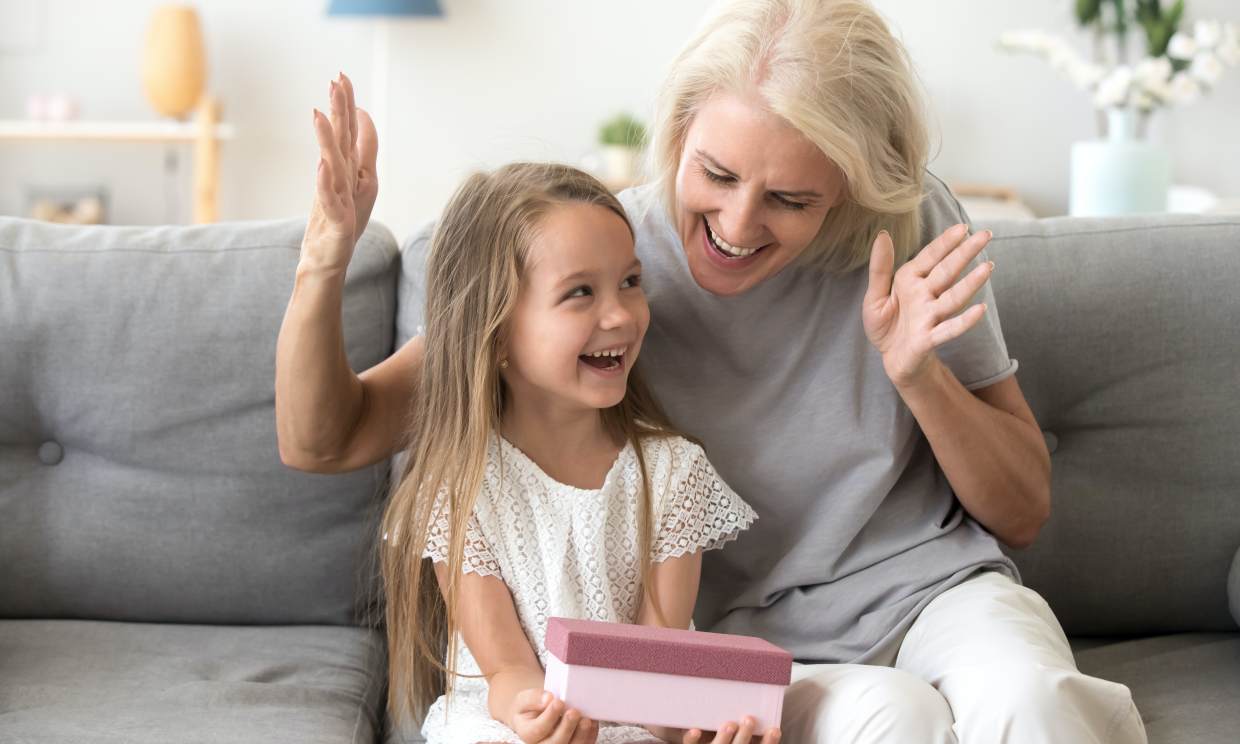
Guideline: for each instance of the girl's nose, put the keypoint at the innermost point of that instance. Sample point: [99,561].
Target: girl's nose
[615,314]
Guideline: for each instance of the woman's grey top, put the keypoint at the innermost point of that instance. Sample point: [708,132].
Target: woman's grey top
[859,528]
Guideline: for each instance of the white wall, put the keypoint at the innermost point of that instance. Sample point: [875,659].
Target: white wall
[497,80]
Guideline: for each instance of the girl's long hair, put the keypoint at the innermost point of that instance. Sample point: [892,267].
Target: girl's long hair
[476,260]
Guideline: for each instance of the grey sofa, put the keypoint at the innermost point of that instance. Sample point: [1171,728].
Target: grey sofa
[164,578]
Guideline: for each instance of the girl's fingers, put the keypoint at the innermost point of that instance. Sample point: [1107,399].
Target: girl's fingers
[693,736]
[745,732]
[772,735]
[564,731]
[543,726]
[725,734]
[585,732]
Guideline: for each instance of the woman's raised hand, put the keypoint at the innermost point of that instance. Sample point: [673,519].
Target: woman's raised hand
[346,185]
[909,317]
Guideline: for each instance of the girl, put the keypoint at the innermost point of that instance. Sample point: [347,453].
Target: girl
[560,480]
[560,487]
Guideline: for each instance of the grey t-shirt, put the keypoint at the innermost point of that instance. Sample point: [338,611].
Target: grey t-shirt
[859,528]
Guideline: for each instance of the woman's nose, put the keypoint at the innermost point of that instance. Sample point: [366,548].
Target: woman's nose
[741,220]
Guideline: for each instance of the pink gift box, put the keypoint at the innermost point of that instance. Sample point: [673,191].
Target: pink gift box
[665,677]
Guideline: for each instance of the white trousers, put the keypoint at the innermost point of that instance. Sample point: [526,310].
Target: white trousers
[986,662]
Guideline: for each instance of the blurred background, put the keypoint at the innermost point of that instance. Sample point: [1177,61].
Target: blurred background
[488,81]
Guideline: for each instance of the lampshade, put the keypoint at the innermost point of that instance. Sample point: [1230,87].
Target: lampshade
[384,8]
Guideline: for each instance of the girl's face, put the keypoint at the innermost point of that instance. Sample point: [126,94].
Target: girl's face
[581,313]
[752,193]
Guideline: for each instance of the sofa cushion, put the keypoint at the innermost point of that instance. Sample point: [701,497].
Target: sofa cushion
[140,477]
[1186,686]
[94,682]
[1128,341]
[1233,588]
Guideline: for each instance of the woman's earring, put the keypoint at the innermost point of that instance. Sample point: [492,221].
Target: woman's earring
[503,364]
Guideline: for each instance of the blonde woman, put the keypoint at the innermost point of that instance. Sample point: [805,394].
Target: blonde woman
[823,322]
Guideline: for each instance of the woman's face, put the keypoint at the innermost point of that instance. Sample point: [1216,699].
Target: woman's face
[752,193]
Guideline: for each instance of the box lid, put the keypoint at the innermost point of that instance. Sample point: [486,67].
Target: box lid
[689,653]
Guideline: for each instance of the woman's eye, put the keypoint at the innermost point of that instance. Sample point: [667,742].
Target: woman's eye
[789,204]
[716,177]
[632,281]
[582,291]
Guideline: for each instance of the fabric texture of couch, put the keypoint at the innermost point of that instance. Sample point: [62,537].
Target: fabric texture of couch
[163,577]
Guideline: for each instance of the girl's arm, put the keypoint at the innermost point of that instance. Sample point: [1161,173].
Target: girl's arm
[488,622]
[675,583]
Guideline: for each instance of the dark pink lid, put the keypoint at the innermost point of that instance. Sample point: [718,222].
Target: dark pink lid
[688,653]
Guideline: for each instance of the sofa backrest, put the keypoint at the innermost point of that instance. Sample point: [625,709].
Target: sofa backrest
[1128,336]
[139,473]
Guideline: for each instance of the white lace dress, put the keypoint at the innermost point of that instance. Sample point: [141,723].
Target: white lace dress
[569,552]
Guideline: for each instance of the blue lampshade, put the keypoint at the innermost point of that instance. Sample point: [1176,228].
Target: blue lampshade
[384,8]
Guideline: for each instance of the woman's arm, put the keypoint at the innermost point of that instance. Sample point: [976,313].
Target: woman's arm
[990,448]
[489,625]
[327,418]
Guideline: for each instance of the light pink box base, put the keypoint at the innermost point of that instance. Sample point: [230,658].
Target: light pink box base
[652,699]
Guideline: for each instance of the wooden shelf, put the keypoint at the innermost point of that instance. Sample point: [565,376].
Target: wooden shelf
[205,132]
[111,131]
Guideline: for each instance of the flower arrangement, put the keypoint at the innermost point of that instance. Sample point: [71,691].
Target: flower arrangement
[1179,65]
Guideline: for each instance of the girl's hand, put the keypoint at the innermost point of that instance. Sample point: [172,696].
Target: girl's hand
[346,185]
[908,319]
[540,718]
[731,733]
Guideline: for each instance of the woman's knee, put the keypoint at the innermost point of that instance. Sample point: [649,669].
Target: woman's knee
[1037,703]
[866,704]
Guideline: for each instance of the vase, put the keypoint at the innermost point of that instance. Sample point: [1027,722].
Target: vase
[174,66]
[1120,174]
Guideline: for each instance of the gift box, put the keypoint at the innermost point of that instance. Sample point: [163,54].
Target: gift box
[665,677]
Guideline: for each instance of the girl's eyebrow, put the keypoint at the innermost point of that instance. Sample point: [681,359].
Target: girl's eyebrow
[579,275]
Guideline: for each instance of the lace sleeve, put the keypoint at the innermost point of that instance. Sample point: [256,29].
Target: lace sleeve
[698,511]
[477,555]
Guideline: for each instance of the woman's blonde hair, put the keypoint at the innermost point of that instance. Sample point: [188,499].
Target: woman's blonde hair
[478,254]
[832,69]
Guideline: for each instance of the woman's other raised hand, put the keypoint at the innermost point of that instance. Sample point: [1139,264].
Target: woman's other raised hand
[346,184]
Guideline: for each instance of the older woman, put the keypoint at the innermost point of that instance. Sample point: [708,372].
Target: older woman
[822,321]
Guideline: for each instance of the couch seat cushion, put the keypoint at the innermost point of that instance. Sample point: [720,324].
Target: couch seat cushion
[94,682]
[1186,685]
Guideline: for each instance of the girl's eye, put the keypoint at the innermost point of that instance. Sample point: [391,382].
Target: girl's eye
[716,177]
[582,291]
[632,281]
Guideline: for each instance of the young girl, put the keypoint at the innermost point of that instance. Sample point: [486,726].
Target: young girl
[562,489]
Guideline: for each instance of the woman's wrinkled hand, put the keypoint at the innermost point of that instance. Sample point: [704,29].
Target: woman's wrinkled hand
[909,316]
[346,184]
[540,718]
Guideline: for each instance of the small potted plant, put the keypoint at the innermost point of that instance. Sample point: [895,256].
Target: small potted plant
[622,138]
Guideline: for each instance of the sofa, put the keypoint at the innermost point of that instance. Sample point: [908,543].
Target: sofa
[165,578]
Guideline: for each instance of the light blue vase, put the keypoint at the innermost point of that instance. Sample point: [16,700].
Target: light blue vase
[1120,174]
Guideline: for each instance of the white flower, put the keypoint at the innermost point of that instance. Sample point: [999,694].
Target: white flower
[1181,47]
[1207,34]
[1152,77]
[1026,41]
[1085,75]
[1113,90]
[1207,68]
[1144,101]
[1184,89]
